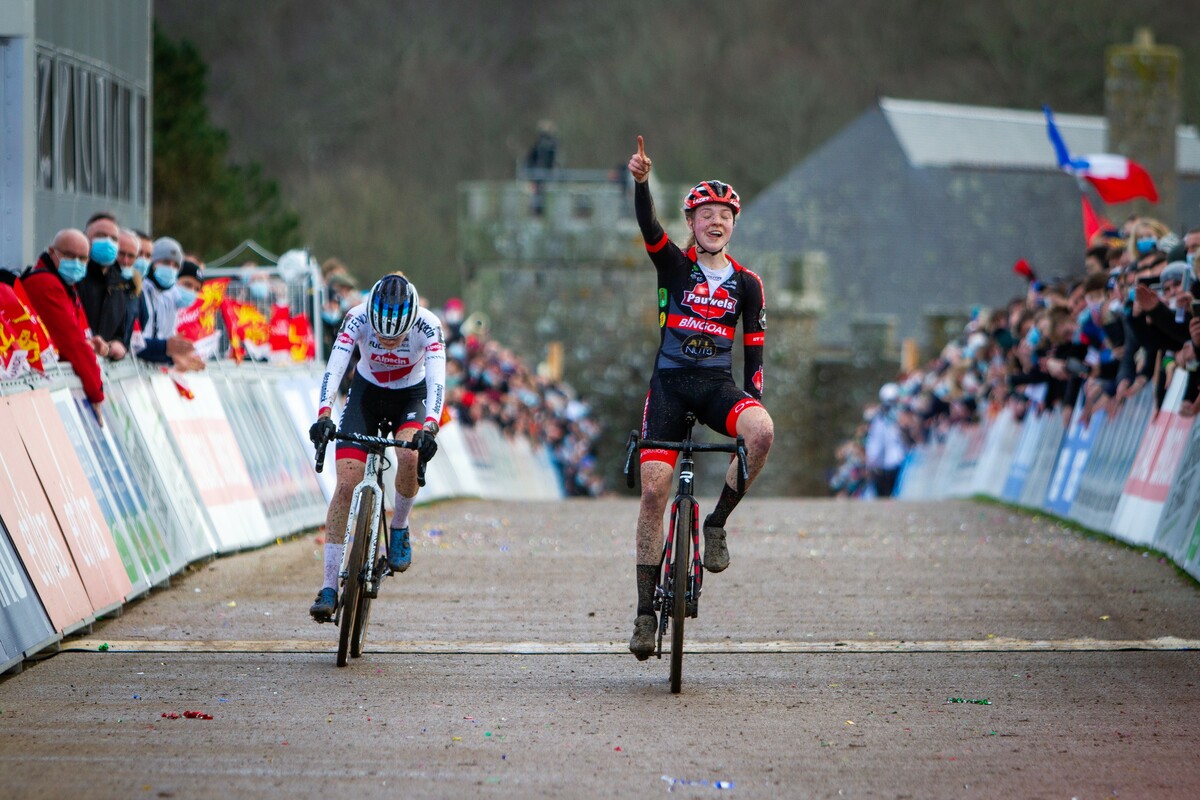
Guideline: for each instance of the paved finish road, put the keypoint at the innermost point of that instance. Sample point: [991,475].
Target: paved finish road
[822,664]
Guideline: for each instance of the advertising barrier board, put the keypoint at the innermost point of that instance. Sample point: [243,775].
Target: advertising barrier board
[300,397]
[24,626]
[1178,526]
[66,486]
[127,496]
[135,569]
[1042,467]
[152,452]
[1072,459]
[1154,467]
[1108,466]
[36,536]
[214,462]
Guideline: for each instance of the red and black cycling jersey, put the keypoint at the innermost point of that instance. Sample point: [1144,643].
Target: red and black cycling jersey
[698,320]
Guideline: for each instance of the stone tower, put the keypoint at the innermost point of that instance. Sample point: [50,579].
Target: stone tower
[1141,100]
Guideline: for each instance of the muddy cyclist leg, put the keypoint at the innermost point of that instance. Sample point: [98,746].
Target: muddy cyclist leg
[656,487]
[755,426]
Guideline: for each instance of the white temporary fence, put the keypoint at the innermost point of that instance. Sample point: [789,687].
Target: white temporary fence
[184,467]
[1134,475]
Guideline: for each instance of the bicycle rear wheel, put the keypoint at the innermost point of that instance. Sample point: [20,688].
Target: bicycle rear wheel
[685,514]
[362,616]
[352,587]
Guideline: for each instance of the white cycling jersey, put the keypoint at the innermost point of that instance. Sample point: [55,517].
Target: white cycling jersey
[420,357]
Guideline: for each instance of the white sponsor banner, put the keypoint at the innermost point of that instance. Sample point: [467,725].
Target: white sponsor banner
[301,396]
[153,457]
[1154,468]
[993,465]
[213,460]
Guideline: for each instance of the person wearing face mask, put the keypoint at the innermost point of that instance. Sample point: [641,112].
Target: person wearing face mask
[1168,310]
[141,264]
[156,315]
[50,285]
[188,284]
[109,292]
[101,291]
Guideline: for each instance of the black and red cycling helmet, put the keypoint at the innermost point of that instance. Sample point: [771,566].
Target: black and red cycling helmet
[712,192]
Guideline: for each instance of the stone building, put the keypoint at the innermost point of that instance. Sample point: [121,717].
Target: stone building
[916,211]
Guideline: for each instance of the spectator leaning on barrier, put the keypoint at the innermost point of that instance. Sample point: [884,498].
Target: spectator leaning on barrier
[101,291]
[109,293]
[159,307]
[188,283]
[50,286]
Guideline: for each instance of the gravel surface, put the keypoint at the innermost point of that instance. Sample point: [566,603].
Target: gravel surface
[822,665]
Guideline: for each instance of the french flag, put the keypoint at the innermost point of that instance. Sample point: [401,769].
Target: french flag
[1116,178]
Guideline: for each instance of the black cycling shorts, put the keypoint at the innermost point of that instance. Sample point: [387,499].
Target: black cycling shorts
[374,411]
[710,394]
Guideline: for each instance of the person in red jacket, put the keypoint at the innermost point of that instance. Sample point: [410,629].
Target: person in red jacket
[50,285]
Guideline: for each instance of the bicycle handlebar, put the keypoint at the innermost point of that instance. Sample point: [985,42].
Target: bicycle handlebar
[375,444]
[737,448]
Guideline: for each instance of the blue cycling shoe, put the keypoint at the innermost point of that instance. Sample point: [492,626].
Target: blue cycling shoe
[399,550]
[322,610]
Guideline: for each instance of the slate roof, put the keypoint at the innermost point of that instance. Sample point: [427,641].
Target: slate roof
[946,135]
[922,208]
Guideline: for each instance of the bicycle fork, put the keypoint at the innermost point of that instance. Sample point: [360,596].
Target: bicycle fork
[369,583]
[664,592]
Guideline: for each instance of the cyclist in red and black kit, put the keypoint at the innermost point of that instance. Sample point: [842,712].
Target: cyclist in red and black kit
[702,294]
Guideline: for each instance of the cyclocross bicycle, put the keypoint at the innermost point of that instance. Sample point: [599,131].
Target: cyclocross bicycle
[363,568]
[681,577]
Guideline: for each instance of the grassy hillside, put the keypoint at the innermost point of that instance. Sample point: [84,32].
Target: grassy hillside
[369,112]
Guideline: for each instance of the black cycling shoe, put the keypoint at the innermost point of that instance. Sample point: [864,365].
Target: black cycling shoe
[716,553]
[322,610]
[642,644]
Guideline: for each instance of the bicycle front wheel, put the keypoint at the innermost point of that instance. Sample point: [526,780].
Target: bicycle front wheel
[685,515]
[363,615]
[352,589]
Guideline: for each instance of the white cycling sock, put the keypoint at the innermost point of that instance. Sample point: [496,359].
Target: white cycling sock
[333,564]
[403,507]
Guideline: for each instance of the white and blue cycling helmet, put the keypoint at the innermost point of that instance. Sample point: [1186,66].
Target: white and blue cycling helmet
[392,306]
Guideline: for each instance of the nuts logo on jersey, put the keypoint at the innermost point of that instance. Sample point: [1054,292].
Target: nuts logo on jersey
[699,347]
[703,303]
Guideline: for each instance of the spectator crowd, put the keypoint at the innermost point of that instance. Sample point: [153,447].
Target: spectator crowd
[107,293]
[1125,319]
